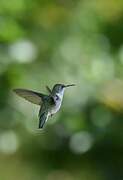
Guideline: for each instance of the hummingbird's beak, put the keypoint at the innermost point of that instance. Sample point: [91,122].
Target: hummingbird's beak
[69,85]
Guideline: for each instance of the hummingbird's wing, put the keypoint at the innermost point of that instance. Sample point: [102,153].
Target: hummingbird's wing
[49,90]
[31,96]
[51,95]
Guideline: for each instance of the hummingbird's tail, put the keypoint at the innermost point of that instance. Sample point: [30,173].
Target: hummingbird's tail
[42,119]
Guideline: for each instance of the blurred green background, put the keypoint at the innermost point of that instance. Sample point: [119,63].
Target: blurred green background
[44,42]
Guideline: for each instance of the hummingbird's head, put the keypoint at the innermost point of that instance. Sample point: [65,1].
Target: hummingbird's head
[58,89]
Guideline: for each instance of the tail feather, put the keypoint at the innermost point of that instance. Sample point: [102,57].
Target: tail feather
[42,119]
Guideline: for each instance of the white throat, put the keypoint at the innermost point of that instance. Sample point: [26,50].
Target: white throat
[60,94]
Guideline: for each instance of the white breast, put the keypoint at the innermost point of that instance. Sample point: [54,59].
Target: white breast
[57,106]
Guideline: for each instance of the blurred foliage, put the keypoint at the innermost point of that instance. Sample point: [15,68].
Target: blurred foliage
[62,41]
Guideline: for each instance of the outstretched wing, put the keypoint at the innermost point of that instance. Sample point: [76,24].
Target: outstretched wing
[31,96]
[48,89]
[52,97]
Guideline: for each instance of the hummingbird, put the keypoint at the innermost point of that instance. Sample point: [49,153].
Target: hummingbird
[49,104]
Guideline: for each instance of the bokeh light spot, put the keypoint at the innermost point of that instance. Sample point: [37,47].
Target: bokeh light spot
[81,142]
[23,51]
[8,142]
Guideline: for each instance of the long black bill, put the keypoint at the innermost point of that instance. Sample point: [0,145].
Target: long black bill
[69,85]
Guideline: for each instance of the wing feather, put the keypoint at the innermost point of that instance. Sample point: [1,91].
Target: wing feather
[48,89]
[31,96]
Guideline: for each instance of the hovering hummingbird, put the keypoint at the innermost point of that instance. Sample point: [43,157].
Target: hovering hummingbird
[49,104]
